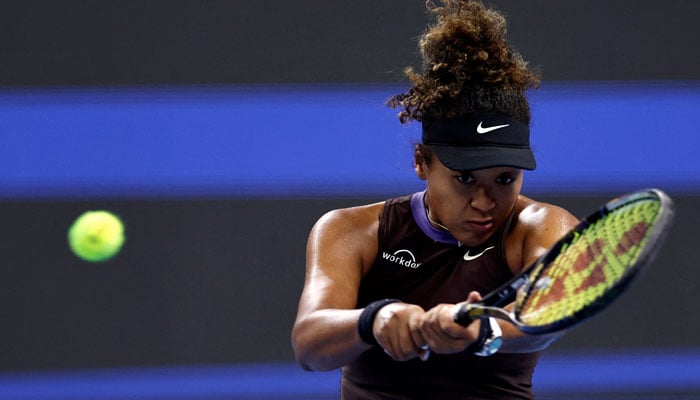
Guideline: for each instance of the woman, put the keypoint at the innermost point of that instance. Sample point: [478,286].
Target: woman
[383,279]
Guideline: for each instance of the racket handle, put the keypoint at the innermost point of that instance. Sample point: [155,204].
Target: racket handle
[466,313]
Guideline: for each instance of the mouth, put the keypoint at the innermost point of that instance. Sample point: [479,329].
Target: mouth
[480,225]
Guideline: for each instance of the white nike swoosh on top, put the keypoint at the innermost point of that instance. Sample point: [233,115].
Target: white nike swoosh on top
[468,257]
[481,130]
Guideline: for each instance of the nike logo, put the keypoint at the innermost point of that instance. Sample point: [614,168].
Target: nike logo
[468,257]
[481,130]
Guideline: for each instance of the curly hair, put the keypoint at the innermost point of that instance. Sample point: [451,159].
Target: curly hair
[467,67]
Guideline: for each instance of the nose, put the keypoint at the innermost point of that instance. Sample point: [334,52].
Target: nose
[481,199]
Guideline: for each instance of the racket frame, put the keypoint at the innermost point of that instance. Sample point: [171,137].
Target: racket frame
[491,304]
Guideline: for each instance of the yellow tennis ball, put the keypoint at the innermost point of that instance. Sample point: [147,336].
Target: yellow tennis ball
[96,236]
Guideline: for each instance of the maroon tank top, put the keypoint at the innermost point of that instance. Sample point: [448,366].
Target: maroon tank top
[422,265]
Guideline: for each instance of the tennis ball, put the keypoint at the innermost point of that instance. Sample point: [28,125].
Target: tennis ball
[96,236]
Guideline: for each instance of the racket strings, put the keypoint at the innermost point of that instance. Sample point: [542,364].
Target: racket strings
[590,265]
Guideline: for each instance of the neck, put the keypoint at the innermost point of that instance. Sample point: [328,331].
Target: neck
[433,222]
[427,213]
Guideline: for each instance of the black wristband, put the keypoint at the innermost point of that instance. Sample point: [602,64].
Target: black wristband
[366,321]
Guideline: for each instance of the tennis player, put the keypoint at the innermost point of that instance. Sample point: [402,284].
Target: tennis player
[382,280]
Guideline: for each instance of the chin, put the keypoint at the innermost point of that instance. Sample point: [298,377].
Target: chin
[471,241]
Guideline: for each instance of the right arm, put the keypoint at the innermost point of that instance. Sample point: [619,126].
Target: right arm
[325,335]
[341,248]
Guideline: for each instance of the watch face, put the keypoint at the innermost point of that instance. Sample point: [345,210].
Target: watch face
[491,338]
[492,345]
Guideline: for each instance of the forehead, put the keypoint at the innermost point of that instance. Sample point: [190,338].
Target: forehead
[478,172]
[492,171]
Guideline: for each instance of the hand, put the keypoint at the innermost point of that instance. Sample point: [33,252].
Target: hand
[396,328]
[442,334]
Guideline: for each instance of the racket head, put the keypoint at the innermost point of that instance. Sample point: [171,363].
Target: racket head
[594,263]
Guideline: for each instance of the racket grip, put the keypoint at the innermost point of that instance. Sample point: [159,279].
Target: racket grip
[464,314]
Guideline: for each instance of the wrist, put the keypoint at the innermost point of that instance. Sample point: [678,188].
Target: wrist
[365,324]
[490,338]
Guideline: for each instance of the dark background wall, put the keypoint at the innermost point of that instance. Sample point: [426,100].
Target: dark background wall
[216,281]
[222,41]
[215,278]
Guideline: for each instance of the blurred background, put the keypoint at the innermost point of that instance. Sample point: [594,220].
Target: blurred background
[220,130]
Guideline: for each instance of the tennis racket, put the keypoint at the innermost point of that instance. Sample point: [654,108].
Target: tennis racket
[584,271]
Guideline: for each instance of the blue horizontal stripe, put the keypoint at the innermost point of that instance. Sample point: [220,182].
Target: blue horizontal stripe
[610,372]
[337,139]
[263,380]
[670,372]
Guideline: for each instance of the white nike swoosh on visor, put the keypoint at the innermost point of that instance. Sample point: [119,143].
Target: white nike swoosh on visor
[468,257]
[481,130]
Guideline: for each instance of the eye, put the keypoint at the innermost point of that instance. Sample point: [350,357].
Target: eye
[465,178]
[505,179]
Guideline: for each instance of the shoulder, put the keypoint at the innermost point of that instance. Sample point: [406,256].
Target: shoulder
[536,215]
[351,219]
[348,233]
[537,226]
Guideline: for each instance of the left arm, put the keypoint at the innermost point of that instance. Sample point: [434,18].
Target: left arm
[538,227]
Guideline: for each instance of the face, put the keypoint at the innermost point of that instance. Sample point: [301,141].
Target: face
[472,205]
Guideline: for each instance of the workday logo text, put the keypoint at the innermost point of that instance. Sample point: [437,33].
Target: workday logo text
[402,257]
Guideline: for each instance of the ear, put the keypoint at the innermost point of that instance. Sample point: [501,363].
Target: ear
[419,164]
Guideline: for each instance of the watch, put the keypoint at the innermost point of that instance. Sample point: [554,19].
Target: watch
[490,338]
